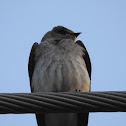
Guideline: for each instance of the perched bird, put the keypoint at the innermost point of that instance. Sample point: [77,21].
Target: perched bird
[60,64]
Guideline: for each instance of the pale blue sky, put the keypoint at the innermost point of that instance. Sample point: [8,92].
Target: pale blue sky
[103,27]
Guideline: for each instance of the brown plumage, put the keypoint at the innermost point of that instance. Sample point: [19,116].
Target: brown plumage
[59,64]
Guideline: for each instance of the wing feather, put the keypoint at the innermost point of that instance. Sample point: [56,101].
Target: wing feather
[31,63]
[31,66]
[83,117]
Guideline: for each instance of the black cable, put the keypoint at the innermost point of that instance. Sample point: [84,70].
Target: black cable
[52,102]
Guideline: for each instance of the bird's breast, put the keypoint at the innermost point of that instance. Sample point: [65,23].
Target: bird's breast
[60,68]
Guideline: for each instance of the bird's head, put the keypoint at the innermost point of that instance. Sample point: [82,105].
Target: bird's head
[65,33]
[61,32]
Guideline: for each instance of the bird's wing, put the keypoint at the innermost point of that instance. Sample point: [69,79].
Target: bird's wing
[83,117]
[31,65]
[86,57]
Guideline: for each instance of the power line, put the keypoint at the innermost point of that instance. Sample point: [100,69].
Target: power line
[112,101]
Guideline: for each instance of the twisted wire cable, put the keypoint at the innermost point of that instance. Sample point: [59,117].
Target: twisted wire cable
[47,102]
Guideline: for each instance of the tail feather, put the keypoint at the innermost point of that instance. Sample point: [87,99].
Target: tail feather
[40,119]
[82,119]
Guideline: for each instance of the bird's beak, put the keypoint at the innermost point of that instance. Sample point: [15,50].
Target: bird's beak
[76,34]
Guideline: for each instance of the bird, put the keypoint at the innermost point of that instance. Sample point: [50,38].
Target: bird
[60,63]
